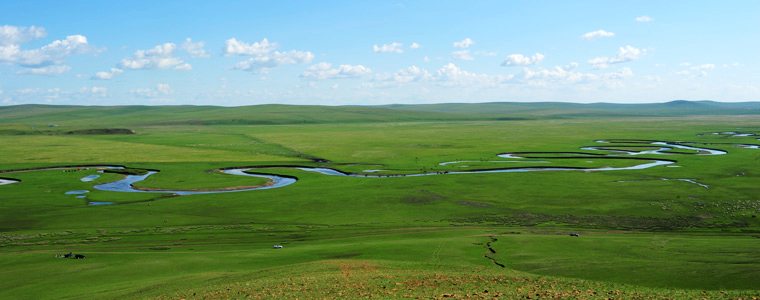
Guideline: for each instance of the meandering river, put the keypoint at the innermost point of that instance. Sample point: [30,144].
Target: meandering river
[277,181]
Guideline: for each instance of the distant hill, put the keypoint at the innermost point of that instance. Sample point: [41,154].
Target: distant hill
[47,115]
[569,110]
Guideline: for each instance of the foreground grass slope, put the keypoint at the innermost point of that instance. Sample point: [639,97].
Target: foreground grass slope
[671,231]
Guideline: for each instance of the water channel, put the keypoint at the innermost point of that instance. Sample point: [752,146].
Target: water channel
[277,181]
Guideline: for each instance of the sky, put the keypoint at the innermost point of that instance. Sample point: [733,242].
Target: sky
[235,53]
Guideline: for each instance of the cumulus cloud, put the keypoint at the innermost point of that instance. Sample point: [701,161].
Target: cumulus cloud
[266,62]
[461,55]
[448,75]
[684,64]
[235,47]
[160,57]
[683,73]
[164,88]
[415,46]
[410,74]
[47,60]
[323,70]
[161,90]
[49,70]
[195,49]
[520,60]
[464,43]
[108,75]
[702,69]
[54,53]
[97,90]
[590,36]
[559,76]
[451,75]
[389,48]
[184,67]
[624,54]
[555,74]
[84,95]
[11,35]
[486,53]
[264,57]
[644,19]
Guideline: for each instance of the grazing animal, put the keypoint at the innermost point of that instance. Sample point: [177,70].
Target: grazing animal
[574,234]
[67,255]
[78,256]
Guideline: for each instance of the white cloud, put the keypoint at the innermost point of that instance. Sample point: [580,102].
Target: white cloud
[560,76]
[426,59]
[486,53]
[11,35]
[98,90]
[235,47]
[195,49]
[520,60]
[84,95]
[335,86]
[410,74]
[448,75]
[684,64]
[464,43]
[451,75]
[656,79]
[624,54]
[702,69]
[53,53]
[161,90]
[620,74]
[266,62]
[415,46]
[597,34]
[555,74]
[461,55]
[389,48]
[164,88]
[160,57]
[322,71]
[683,73]
[644,19]
[49,70]
[184,67]
[264,59]
[108,75]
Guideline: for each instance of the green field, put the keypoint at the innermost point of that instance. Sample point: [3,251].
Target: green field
[689,229]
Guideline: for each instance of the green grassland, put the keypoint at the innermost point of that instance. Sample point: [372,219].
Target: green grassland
[644,234]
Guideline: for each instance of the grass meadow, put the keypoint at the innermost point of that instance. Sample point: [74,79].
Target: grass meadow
[687,230]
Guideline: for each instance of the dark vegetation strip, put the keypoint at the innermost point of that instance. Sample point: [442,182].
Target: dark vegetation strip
[600,222]
[63,167]
[129,171]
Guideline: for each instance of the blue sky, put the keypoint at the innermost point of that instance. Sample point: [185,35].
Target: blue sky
[376,52]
